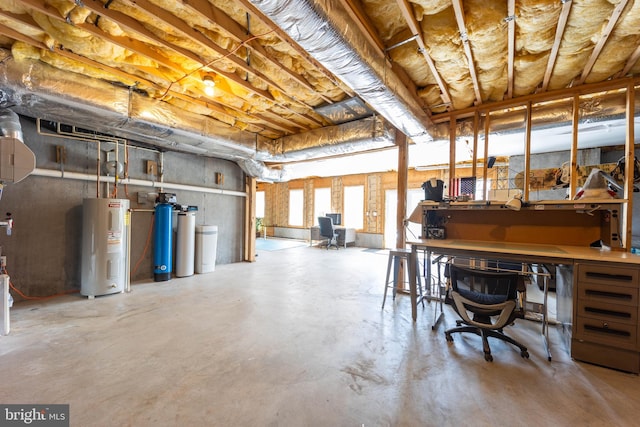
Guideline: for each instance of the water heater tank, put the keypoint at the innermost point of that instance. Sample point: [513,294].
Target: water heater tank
[105,224]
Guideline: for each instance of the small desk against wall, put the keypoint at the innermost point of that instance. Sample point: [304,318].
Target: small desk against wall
[602,314]
[346,235]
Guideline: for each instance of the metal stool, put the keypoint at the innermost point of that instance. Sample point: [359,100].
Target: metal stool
[395,256]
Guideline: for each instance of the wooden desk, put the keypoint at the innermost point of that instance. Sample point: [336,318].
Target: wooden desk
[578,256]
[517,252]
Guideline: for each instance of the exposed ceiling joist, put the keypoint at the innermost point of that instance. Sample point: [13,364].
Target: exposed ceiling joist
[409,17]
[354,8]
[511,19]
[562,25]
[521,101]
[287,39]
[462,26]
[606,32]
[630,63]
[197,37]
[220,19]
[135,27]
[213,106]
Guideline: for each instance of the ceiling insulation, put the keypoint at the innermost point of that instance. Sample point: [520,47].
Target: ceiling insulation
[278,64]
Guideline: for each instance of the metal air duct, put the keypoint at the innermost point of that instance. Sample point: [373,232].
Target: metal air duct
[34,89]
[328,36]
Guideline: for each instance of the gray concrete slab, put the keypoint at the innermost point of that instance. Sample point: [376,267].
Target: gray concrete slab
[295,339]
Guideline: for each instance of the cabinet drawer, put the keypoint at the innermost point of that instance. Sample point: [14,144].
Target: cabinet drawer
[607,275]
[613,334]
[608,312]
[589,292]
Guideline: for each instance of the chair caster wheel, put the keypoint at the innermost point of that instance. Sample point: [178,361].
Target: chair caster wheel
[448,337]
[525,354]
[488,358]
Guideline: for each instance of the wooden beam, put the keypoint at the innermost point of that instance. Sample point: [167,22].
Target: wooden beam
[575,121]
[138,28]
[213,106]
[474,150]
[538,97]
[250,220]
[220,19]
[403,179]
[527,155]
[199,38]
[462,26]
[144,50]
[606,33]
[562,24]
[452,156]
[511,19]
[414,26]
[359,16]
[485,172]
[630,63]
[627,217]
[366,27]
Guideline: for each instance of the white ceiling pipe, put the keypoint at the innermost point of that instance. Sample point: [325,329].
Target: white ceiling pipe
[129,181]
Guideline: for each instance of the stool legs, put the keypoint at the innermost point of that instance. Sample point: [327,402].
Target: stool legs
[395,259]
[386,282]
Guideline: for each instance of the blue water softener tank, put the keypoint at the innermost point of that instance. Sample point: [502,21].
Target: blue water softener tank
[163,237]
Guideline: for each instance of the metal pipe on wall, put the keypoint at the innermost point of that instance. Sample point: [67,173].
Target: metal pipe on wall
[140,182]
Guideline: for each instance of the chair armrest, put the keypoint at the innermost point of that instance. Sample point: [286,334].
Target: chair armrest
[506,309]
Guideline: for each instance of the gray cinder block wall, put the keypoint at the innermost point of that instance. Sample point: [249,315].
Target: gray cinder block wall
[44,250]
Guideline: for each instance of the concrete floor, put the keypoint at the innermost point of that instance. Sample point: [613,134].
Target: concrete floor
[295,339]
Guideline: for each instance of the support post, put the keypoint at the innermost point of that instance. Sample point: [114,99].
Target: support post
[250,220]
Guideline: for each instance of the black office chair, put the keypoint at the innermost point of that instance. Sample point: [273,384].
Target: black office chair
[327,231]
[484,295]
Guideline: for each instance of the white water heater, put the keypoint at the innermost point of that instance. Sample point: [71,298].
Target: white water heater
[105,252]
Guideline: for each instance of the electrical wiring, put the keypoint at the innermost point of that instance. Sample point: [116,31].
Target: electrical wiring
[12,286]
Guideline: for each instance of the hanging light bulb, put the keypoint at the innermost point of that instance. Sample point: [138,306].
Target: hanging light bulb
[209,84]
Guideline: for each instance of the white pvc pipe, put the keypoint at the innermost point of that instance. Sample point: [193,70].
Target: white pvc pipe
[128,181]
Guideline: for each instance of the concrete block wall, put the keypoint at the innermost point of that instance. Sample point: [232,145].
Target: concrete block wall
[44,250]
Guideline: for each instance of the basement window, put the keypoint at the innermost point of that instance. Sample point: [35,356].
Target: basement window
[354,207]
[296,208]
[321,203]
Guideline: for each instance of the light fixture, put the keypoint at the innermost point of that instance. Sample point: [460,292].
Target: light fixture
[515,203]
[209,84]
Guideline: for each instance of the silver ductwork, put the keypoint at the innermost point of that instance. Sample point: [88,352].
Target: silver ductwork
[36,90]
[328,36]
[605,106]
[10,125]
[370,133]
[258,169]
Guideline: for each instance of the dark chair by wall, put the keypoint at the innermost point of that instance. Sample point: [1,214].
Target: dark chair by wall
[486,302]
[327,231]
